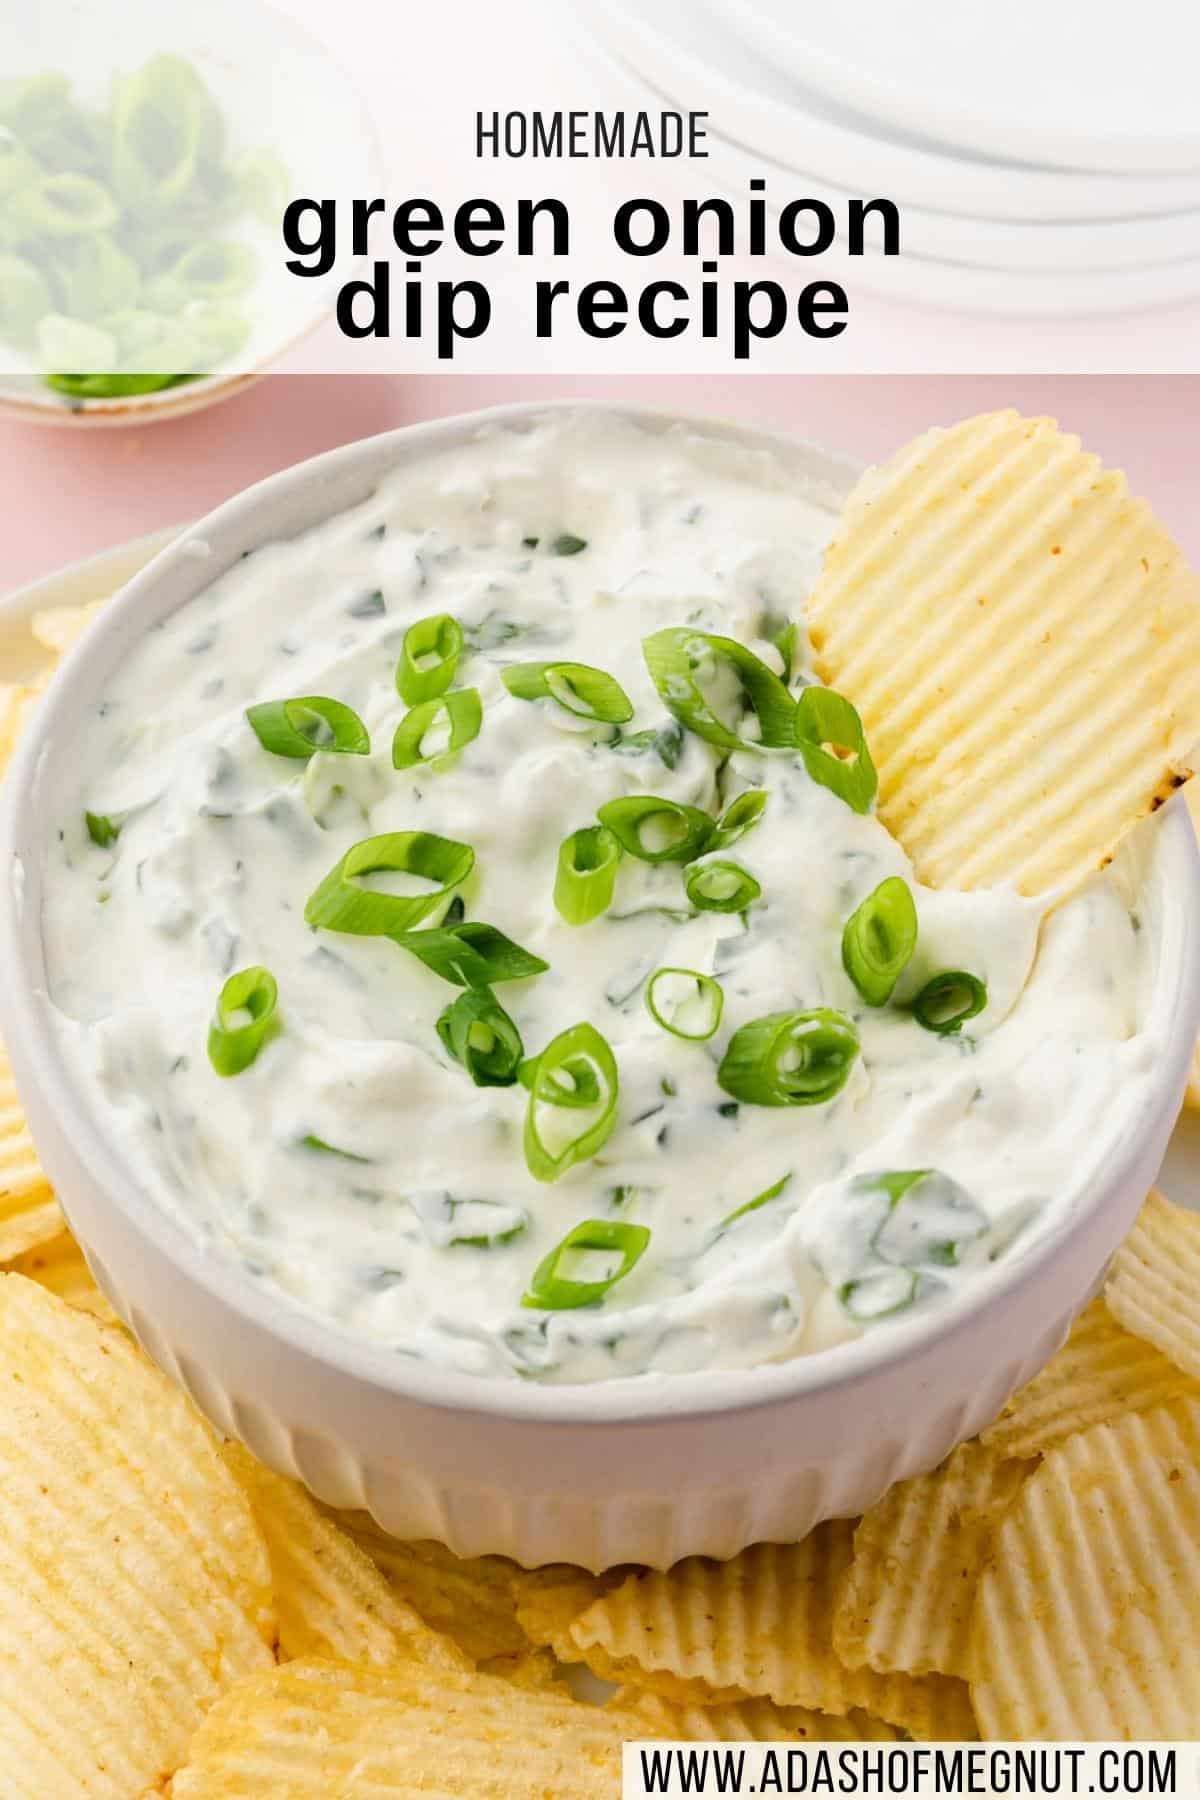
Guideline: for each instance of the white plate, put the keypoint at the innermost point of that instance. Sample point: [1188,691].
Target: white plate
[101,575]
[278,88]
[1109,244]
[926,280]
[1087,84]
[701,62]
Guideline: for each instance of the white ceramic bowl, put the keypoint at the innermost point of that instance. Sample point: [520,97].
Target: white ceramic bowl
[279,88]
[647,1469]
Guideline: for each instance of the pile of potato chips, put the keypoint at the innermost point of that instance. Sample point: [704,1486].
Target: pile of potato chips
[175,1618]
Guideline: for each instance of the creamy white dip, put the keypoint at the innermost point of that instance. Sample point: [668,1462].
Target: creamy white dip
[221,844]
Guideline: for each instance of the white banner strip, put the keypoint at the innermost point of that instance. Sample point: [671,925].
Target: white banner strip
[739,1769]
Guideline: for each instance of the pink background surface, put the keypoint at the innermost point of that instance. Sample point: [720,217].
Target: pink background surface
[71,492]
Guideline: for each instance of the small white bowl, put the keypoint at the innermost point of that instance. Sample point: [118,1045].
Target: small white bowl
[280,89]
[647,1469]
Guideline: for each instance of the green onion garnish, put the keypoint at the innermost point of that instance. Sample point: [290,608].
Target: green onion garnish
[879,1294]
[573,1083]
[790,1058]
[567,544]
[830,737]
[301,727]
[947,1001]
[104,829]
[552,1292]
[666,741]
[471,954]
[587,873]
[247,1014]
[656,830]
[456,717]
[763,1199]
[721,886]
[685,1003]
[739,817]
[479,1034]
[579,1048]
[478,1224]
[342,903]
[318,1144]
[785,641]
[679,656]
[895,1183]
[579,689]
[929,1218]
[878,940]
[428,658]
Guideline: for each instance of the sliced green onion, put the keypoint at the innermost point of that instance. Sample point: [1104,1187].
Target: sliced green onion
[567,544]
[666,741]
[342,903]
[479,1034]
[481,1224]
[58,206]
[471,954]
[739,817]
[879,1294]
[676,659]
[428,658]
[579,1047]
[785,640]
[830,737]
[930,1217]
[311,1142]
[698,1007]
[104,829]
[579,689]
[947,1001]
[553,1292]
[301,727]
[587,873]
[763,1199]
[656,830]
[721,887]
[247,1014]
[790,1058]
[462,711]
[878,940]
[895,1183]
[573,1083]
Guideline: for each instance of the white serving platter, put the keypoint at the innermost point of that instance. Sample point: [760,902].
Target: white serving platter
[1095,85]
[102,575]
[700,56]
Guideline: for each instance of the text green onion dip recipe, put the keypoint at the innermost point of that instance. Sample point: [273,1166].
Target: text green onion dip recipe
[473,920]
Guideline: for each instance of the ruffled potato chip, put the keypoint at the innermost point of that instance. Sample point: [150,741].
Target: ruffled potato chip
[753,1721]
[330,1598]
[1154,1285]
[134,1584]
[470,1599]
[60,1267]
[1022,640]
[56,628]
[762,1625]
[905,1602]
[549,1600]
[29,1213]
[321,1731]
[1101,1372]
[1087,1624]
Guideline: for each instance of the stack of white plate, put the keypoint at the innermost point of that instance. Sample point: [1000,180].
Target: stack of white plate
[1045,155]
